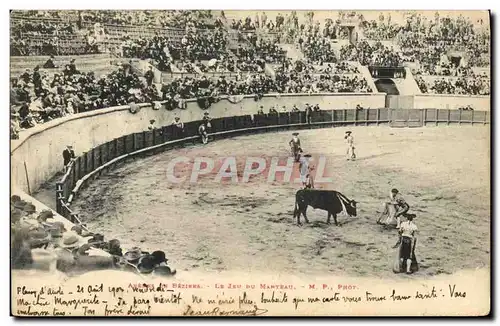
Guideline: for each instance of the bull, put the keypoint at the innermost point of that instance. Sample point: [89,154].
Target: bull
[329,200]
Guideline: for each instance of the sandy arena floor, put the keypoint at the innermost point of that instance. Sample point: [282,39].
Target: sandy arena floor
[442,172]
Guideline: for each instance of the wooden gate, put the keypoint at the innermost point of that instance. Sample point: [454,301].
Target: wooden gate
[399,101]
[405,118]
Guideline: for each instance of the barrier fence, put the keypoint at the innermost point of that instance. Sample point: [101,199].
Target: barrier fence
[105,156]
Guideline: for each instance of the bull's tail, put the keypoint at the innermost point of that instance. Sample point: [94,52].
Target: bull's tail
[296,209]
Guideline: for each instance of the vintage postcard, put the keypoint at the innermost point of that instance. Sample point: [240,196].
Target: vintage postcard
[250,163]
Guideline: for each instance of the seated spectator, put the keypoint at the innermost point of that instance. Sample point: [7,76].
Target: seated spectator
[49,64]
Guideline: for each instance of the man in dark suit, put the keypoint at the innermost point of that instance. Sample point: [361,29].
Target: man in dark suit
[68,155]
[37,80]
[309,113]
[49,64]
[149,75]
[72,68]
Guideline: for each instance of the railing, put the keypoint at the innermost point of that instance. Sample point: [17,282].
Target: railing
[91,164]
[168,76]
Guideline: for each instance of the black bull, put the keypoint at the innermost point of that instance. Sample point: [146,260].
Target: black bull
[329,200]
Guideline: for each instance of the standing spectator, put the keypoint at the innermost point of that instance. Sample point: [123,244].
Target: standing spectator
[149,75]
[151,124]
[263,19]
[207,119]
[72,68]
[68,156]
[178,127]
[37,80]
[309,112]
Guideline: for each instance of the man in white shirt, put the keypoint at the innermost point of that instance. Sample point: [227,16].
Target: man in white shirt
[304,169]
[408,237]
[350,146]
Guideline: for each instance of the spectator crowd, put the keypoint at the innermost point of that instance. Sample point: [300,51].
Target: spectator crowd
[37,97]
[255,63]
[40,242]
[459,86]
[376,54]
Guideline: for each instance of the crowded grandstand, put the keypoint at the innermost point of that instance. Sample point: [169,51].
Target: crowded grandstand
[208,54]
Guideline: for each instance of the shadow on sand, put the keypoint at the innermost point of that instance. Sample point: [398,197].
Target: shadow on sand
[363,158]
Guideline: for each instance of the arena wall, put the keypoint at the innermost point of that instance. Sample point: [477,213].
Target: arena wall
[450,102]
[38,152]
[248,105]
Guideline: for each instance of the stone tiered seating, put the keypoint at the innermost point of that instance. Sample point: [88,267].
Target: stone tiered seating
[167,77]
[116,32]
[98,63]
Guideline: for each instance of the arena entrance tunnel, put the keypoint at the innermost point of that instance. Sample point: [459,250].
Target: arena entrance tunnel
[387,86]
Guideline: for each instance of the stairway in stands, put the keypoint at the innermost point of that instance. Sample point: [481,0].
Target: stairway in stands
[100,64]
[337,45]
[410,86]
[366,74]
[292,51]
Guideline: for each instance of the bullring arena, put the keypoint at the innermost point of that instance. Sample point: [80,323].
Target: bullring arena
[249,227]
[423,131]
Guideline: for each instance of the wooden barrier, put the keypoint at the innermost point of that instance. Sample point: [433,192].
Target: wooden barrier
[90,165]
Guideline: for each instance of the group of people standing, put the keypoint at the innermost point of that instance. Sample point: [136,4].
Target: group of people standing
[303,160]
[394,209]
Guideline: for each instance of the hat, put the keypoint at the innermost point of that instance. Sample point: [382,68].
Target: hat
[164,271]
[348,132]
[133,255]
[29,208]
[152,121]
[70,240]
[77,229]
[146,264]
[20,204]
[97,241]
[29,224]
[38,238]
[159,257]
[114,243]
[410,216]
[295,134]
[394,190]
[49,221]
[59,225]
[96,237]
[83,250]
[45,214]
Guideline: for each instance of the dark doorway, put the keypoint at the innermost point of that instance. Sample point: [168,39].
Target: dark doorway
[387,86]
